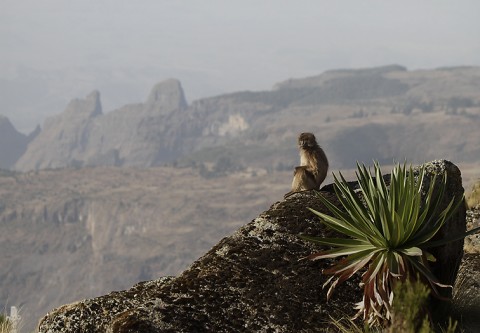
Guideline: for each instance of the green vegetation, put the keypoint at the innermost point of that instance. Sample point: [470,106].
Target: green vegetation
[389,232]
[408,315]
[408,308]
[473,197]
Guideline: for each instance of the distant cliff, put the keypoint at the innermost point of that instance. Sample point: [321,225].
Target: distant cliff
[83,136]
[12,143]
[386,113]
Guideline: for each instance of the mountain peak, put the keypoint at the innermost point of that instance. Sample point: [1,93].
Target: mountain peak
[6,125]
[93,100]
[167,95]
[90,106]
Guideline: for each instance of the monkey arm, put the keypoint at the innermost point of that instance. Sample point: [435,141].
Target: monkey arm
[303,180]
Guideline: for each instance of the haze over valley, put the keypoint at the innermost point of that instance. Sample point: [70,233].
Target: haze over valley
[136,135]
[95,202]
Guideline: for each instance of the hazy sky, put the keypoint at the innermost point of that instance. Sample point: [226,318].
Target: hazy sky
[57,49]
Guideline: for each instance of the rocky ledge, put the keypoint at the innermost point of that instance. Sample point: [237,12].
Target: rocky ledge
[251,281]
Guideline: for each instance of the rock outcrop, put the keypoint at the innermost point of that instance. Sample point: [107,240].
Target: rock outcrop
[466,293]
[65,137]
[167,96]
[12,143]
[251,281]
[466,300]
[83,136]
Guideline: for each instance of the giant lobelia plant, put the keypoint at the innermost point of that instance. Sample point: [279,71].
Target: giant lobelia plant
[389,232]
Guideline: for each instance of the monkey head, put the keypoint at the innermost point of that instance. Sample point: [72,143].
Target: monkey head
[307,140]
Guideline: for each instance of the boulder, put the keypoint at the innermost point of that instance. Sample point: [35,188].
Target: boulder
[252,281]
[466,291]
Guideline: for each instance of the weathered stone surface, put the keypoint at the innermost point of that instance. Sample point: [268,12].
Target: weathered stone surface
[466,293]
[251,281]
[472,242]
[450,254]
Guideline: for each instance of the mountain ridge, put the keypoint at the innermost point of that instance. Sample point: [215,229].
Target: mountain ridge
[339,105]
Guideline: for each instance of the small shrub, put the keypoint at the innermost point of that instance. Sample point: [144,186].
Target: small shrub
[408,313]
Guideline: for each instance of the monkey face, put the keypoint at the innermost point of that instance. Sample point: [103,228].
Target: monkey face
[306,140]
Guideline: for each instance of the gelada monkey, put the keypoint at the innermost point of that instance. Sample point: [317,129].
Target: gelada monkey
[313,165]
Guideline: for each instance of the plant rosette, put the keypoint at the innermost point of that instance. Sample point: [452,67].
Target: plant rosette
[388,230]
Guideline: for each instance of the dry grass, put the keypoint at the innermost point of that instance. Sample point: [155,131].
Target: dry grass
[5,327]
[473,196]
[11,325]
[5,324]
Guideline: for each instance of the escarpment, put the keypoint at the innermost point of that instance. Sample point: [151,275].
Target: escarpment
[251,281]
[385,113]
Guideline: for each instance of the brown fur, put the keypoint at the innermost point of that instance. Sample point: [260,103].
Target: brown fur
[313,165]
